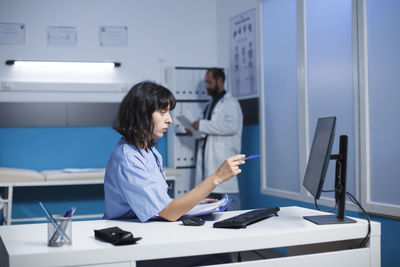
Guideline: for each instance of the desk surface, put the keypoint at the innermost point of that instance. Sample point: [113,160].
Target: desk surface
[27,243]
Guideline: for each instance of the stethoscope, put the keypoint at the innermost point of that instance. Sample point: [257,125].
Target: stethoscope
[162,171]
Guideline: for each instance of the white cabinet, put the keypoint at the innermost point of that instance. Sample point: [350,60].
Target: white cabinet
[187,85]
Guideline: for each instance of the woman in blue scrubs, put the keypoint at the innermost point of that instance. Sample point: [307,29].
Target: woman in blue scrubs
[135,184]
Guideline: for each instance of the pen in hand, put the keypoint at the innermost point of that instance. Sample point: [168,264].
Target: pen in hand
[251,157]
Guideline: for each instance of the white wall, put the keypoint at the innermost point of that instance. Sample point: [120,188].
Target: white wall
[182,32]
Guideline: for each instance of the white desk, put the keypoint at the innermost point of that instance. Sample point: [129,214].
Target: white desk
[25,245]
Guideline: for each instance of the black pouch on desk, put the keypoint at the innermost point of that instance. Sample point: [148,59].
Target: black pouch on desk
[116,236]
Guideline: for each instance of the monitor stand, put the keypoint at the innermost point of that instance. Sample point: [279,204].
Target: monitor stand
[328,219]
[340,189]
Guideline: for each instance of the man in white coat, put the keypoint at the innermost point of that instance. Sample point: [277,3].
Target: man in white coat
[222,125]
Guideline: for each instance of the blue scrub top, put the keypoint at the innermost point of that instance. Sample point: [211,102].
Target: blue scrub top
[134,183]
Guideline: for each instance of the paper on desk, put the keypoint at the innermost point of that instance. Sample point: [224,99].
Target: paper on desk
[188,124]
[72,170]
[208,208]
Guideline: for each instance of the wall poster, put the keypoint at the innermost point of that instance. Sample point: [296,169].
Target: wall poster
[62,36]
[12,33]
[243,71]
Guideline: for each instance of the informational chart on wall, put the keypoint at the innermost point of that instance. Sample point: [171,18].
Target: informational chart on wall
[12,33]
[243,66]
[62,36]
[114,35]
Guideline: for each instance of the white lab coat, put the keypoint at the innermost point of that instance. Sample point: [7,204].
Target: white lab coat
[224,140]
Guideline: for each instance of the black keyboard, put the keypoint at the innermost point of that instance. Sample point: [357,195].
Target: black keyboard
[244,219]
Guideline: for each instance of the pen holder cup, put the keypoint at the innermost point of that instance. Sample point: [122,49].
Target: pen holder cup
[60,235]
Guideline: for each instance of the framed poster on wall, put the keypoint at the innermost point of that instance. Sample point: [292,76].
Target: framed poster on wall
[243,75]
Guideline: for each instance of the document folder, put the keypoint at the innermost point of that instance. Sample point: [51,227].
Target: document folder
[208,208]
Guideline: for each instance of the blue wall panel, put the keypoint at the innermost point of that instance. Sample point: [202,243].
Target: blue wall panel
[46,148]
[56,147]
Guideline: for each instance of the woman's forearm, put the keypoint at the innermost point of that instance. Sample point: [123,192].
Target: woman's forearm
[183,204]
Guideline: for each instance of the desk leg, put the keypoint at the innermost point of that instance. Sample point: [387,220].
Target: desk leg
[7,205]
[375,250]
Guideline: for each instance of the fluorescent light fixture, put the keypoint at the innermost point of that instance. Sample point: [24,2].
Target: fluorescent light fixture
[63,64]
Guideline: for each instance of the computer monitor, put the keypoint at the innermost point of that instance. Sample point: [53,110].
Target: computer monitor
[317,166]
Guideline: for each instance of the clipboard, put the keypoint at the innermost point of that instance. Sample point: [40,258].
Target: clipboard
[188,124]
[209,208]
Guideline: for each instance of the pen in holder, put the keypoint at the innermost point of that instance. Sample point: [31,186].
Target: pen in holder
[54,239]
[59,228]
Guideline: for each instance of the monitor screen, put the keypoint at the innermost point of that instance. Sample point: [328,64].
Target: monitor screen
[319,156]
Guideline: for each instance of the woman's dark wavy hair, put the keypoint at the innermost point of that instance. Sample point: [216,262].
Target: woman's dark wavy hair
[134,121]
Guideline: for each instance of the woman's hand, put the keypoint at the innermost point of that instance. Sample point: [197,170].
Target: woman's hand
[178,207]
[229,168]
[208,200]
